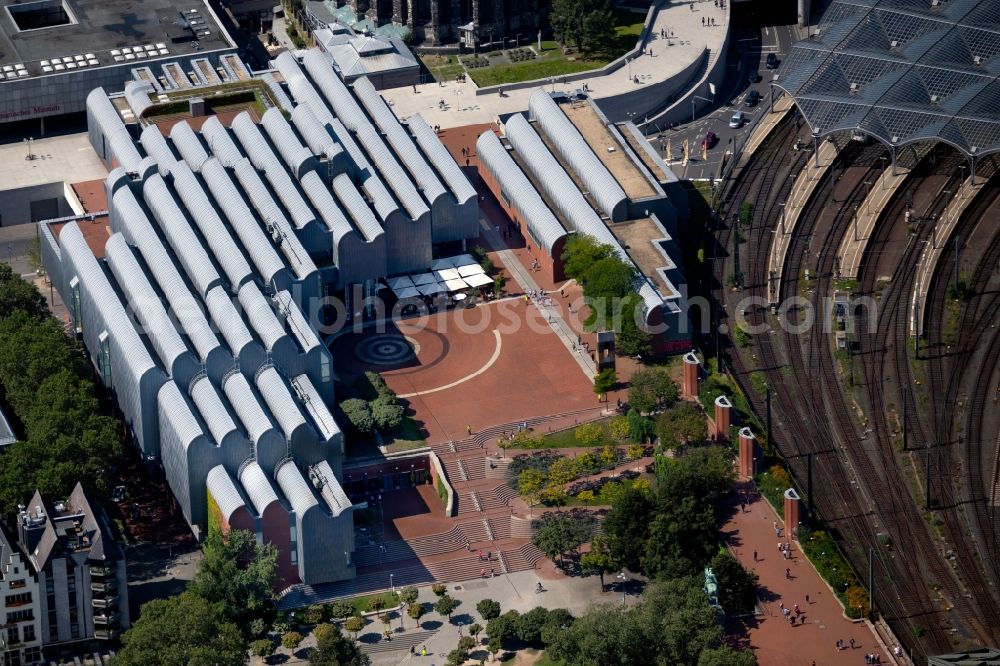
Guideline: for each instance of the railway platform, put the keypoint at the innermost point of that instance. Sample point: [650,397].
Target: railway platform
[855,242]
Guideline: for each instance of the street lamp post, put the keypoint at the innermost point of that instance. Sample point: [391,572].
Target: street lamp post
[868,189]
[391,586]
[622,578]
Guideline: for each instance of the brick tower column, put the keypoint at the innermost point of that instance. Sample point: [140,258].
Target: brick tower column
[793,511]
[435,23]
[409,17]
[691,366]
[397,13]
[723,417]
[748,453]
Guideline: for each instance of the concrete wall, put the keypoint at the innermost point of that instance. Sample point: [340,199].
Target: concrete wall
[33,204]
[648,98]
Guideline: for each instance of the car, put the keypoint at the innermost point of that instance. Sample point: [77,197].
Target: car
[737,119]
[708,141]
[772,61]
[754,76]
[752,98]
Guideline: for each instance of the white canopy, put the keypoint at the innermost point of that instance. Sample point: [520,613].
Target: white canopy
[456,284]
[398,283]
[446,274]
[430,289]
[471,269]
[478,280]
[441,264]
[423,278]
[407,292]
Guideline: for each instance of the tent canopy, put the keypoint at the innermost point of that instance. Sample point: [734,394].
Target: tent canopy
[443,275]
[456,285]
[471,269]
[398,283]
[442,264]
[430,289]
[423,278]
[407,292]
[478,280]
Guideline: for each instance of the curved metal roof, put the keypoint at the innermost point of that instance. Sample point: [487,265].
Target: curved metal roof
[103,112]
[224,491]
[228,320]
[241,396]
[188,145]
[442,160]
[320,69]
[316,136]
[277,91]
[325,424]
[556,182]
[137,94]
[265,258]
[294,486]
[576,152]
[218,139]
[184,242]
[139,232]
[175,408]
[400,141]
[543,225]
[124,151]
[260,315]
[145,303]
[156,147]
[357,207]
[264,159]
[219,240]
[283,138]
[279,400]
[321,199]
[331,491]
[902,72]
[258,487]
[214,412]
[296,321]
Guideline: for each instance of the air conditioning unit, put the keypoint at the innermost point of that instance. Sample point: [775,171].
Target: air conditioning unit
[934,99]
[894,43]
[977,60]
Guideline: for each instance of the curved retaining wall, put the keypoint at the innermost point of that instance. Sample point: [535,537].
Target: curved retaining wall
[647,98]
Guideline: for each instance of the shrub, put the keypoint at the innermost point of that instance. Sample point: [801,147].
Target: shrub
[488,609]
[439,589]
[262,648]
[589,434]
[258,627]
[291,639]
[314,614]
[340,610]
[354,624]
[386,413]
[358,414]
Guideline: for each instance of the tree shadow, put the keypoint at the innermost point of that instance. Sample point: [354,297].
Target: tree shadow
[766,595]
[463,619]
[431,625]
[370,638]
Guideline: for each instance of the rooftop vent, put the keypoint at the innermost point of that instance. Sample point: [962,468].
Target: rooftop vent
[894,43]
[934,99]
[854,87]
[977,60]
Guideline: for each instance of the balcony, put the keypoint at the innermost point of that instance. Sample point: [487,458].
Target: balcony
[106,634]
[100,586]
[101,571]
[104,619]
[104,602]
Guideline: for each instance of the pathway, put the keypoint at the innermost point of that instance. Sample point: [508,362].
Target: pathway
[823,623]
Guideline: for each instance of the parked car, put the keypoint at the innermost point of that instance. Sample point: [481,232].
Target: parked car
[737,120]
[772,61]
[752,98]
[754,76]
[709,140]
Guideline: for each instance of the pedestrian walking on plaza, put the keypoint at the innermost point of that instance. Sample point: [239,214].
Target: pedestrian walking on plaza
[468,429]
[852,643]
[413,650]
[807,598]
[702,25]
[423,651]
[493,572]
[840,644]
[755,556]
[482,573]
[798,611]
[788,574]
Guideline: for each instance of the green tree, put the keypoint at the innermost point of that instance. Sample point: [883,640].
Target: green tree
[562,471]
[609,456]
[682,424]
[681,539]
[354,624]
[291,640]
[600,559]
[605,381]
[704,472]
[408,595]
[237,574]
[457,657]
[587,24]
[652,389]
[628,525]
[445,606]
[262,648]
[387,413]
[488,609]
[503,628]
[359,414]
[529,485]
[439,589]
[602,635]
[332,649]
[314,614]
[179,631]
[635,451]
[737,586]
[529,625]
[474,630]
[609,278]
[677,621]
[632,338]
[726,656]
[582,251]
[341,609]
[416,611]
[619,428]
[377,604]
[589,434]
[561,533]
[18,294]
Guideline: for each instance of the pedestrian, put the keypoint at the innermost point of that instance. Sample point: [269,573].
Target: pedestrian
[413,650]
[482,573]
[743,507]
[840,644]
[489,556]
[788,574]
[782,607]
[798,611]
[414,87]
[468,429]
[493,572]
[852,642]
[702,25]
[775,523]
[781,547]
[423,651]
[755,556]
[807,598]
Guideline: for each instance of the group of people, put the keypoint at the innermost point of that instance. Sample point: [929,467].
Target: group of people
[791,614]
[707,21]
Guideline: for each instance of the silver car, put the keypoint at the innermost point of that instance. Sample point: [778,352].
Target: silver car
[737,120]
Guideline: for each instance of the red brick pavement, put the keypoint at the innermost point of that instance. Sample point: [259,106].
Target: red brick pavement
[771,637]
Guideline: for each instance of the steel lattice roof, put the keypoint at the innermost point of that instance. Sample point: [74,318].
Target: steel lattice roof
[902,71]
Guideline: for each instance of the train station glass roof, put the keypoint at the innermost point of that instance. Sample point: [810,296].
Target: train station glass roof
[902,71]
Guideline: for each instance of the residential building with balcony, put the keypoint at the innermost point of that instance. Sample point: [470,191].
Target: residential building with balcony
[21,634]
[78,571]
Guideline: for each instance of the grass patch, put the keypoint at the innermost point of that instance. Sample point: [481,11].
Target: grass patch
[566,439]
[442,68]
[442,491]
[406,437]
[847,284]
[772,484]
[759,381]
[824,554]
[364,604]
[953,312]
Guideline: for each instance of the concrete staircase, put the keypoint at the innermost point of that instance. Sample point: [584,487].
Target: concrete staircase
[496,469]
[454,470]
[500,527]
[521,559]
[495,498]
[375,643]
[475,468]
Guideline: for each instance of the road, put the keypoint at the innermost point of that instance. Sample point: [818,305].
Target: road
[752,45]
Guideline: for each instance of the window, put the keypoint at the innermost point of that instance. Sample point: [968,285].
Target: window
[295,556]
[75,306]
[105,361]
[13,636]
[29,633]
[324,368]
[16,584]
[13,600]
[20,616]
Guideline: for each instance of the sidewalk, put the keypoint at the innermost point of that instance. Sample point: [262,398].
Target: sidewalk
[823,623]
